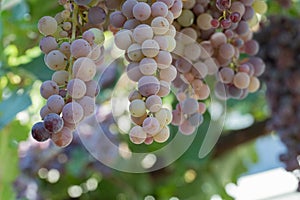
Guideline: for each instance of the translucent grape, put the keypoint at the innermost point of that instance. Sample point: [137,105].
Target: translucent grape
[134,52]
[63,138]
[254,84]
[148,66]
[48,88]
[47,25]
[258,65]
[176,9]
[84,69]
[60,77]
[134,95]
[153,103]
[218,39]
[239,7]
[177,117]
[165,88]
[55,103]
[186,18]
[53,123]
[80,48]
[148,85]
[65,48]
[48,44]
[162,41]
[137,135]
[142,32]
[203,93]
[163,135]
[260,6]
[241,80]
[151,126]
[203,21]
[137,108]
[141,11]
[183,65]
[117,19]
[88,105]
[160,25]
[76,88]
[150,48]
[159,9]
[226,75]
[164,116]
[163,59]
[226,51]
[186,128]
[92,88]
[44,111]
[123,39]
[251,47]
[56,60]
[189,106]
[196,119]
[72,112]
[168,74]
[39,133]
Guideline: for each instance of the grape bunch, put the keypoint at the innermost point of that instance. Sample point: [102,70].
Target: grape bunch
[147,35]
[73,49]
[280,44]
[223,30]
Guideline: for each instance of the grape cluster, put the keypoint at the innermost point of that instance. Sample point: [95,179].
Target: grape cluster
[74,55]
[223,30]
[280,42]
[148,36]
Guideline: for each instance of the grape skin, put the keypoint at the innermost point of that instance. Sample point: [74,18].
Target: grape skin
[39,133]
[53,123]
[48,88]
[56,60]
[63,138]
[60,77]
[137,108]
[137,135]
[88,105]
[72,112]
[151,126]
[84,69]
[76,88]
[47,25]
[153,103]
[55,103]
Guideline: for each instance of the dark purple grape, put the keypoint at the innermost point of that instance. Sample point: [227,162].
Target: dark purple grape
[225,23]
[53,123]
[96,15]
[39,133]
[223,5]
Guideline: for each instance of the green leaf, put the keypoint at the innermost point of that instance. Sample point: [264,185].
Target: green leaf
[12,106]
[38,68]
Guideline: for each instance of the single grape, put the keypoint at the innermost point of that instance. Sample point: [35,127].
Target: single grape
[137,108]
[148,85]
[127,8]
[44,111]
[84,69]
[96,15]
[150,48]
[76,88]
[48,44]
[65,48]
[164,116]
[137,135]
[141,11]
[159,9]
[165,88]
[163,59]
[169,3]
[60,77]
[226,51]
[53,122]
[88,105]
[80,48]
[223,5]
[160,25]
[92,88]
[134,95]
[55,103]
[49,88]
[176,9]
[39,133]
[192,51]
[47,25]
[63,138]
[163,135]
[153,103]
[56,60]
[203,21]
[133,72]
[226,75]
[186,18]
[134,52]
[177,117]
[123,39]
[254,84]
[241,80]
[138,120]
[186,128]
[148,66]
[151,126]
[189,106]
[131,24]
[72,112]
[196,119]
[168,74]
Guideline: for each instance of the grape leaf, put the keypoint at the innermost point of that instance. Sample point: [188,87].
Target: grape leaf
[12,106]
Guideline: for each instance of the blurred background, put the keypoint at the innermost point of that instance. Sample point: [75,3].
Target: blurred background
[245,164]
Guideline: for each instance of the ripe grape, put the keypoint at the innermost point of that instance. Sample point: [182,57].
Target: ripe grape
[150,48]
[226,75]
[148,66]
[142,32]
[53,123]
[137,135]
[62,138]
[65,48]
[163,59]
[88,105]
[163,135]
[39,133]
[96,15]
[177,117]
[137,108]
[160,25]
[117,19]
[195,119]
[123,39]
[189,106]
[127,8]
[92,88]
[186,18]
[254,84]
[151,126]
[49,88]
[134,95]
[138,120]
[84,69]
[168,74]
[148,85]
[153,103]
[133,72]
[164,116]
[165,88]
[162,41]
[80,48]
[241,80]
[203,21]
[47,25]
[48,44]
[159,9]
[60,77]
[56,60]
[72,112]
[44,111]
[55,103]
[76,88]
[186,128]
[134,52]
[141,11]
[192,51]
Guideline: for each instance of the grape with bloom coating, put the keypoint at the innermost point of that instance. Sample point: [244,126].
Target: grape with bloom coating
[148,66]
[123,39]
[48,88]
[56,60]
[153,103]
[47,25]
[84,69]
[164,116]
[148,85]
[39,133]
[76,88]
[241,80]
[137,108]
[60,77]
[137,135]
[186,128]
[62,138]
[150,48]
[151,126]
[141,11]
[48,44]
[142,32]
[53,123]
[163,135]
[160,25]
[189,106]
[92,88]
[72,112]
[55,103]
[134,52]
